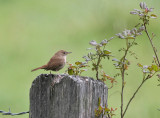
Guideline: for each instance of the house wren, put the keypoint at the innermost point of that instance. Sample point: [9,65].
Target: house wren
[56,63]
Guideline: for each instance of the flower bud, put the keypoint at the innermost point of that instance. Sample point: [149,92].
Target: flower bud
[141,29]
[93,43]
[143,5]
[150,10]
[133,12]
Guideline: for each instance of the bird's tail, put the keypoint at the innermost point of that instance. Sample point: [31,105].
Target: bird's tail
[42,67]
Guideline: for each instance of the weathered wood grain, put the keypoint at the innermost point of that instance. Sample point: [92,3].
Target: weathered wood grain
[71,97]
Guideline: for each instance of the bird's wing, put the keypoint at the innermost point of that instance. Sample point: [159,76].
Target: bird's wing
[55,63]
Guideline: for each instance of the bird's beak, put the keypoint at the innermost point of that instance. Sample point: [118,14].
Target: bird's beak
[69,52]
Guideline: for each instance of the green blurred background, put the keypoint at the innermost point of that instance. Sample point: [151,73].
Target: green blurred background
[31,31]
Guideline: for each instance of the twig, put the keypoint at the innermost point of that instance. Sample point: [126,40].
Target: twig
[108,115]
[152,44]
[97,67]
[135,94]
[123,71]
[143,81]
[12,114]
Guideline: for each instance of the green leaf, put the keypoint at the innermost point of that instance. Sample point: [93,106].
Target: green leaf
[70,71]
[83,65]
[130,37]
[99,101]
[72,67]
[94,65]
[104,42]
[93,69]
[140,65]
[150,68]
[98,49]
[78,63]
[155,67]
[153,16]
[83,70]
[107,52]
[106,109]
[100,108]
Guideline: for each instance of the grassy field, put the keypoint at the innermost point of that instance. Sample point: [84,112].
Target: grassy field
[32,31]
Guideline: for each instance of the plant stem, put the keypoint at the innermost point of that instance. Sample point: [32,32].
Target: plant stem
[109,115]
[152,44]
[122,94]
[122,73]
[143,81]
[97,67]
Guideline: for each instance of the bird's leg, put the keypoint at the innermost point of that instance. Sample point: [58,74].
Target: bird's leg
[50,73]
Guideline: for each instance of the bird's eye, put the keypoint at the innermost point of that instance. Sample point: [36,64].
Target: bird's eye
[64,52]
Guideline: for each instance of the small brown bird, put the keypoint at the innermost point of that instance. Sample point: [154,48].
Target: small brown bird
[56,63]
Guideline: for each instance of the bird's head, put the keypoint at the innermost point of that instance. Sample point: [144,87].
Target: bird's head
[63,53]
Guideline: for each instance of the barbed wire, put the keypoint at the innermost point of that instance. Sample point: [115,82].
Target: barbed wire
[12,114]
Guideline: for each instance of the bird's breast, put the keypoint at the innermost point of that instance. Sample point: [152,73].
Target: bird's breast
[65,59]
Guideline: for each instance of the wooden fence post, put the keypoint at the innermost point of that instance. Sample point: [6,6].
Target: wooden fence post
[71,97]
